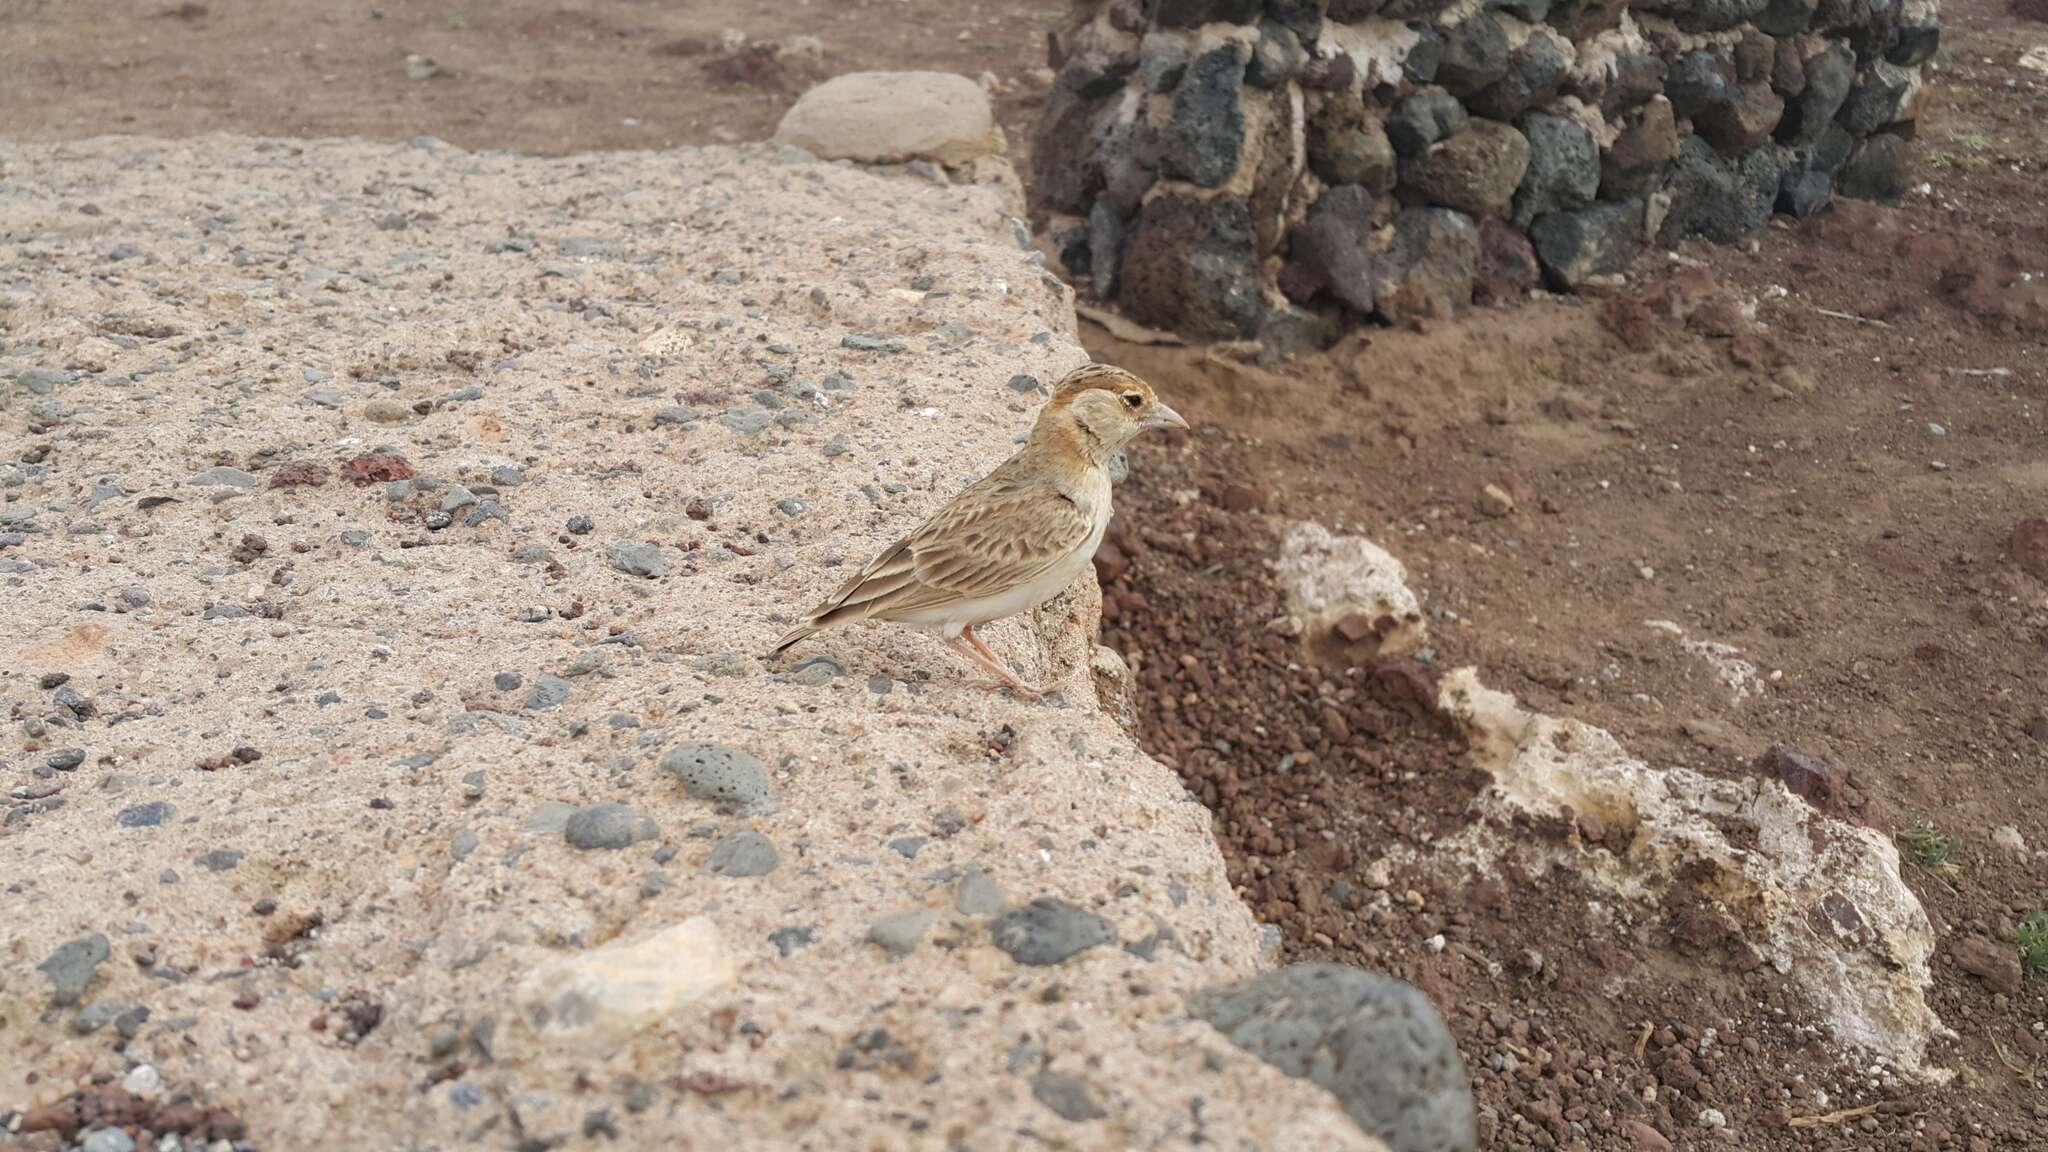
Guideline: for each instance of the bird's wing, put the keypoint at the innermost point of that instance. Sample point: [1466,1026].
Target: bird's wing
[997,535]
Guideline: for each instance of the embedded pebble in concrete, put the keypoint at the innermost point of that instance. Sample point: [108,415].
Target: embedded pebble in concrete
[718,772]
[1049,931]
[637,559]
[509,503]
[607,826]
[978,894]
[899,933]
[742,853]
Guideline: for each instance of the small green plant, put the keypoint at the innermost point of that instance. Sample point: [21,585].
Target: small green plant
[2033,943]
[457,21]
[1928,845]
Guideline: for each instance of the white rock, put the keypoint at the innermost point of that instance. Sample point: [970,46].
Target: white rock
[1867,971]
[1328,578]
[612,992]
[2009,838]
[1712,1118]
[143,1081]
[893,117]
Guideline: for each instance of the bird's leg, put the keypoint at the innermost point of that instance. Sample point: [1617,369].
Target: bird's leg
[980,657]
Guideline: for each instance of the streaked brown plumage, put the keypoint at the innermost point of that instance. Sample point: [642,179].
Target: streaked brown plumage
[1015,538]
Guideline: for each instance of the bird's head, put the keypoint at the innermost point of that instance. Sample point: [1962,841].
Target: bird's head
[1099,408]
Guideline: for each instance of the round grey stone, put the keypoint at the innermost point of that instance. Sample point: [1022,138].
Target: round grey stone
[150,815]
[718,772]
[1375,1043]
[743,853]
[72,966]
[607,826]
[636,558]
[900,933]
[1048,931]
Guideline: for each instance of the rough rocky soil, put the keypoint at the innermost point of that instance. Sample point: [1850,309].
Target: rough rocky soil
[390,531]
[1842,501]
[539,76]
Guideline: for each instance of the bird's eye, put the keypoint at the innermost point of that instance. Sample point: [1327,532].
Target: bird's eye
[1132,400]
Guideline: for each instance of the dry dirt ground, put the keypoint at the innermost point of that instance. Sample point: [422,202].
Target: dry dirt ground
[1832,489]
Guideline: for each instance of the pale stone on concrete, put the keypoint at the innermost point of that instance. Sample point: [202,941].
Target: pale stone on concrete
[606,995]
[894,117]
[1330,577]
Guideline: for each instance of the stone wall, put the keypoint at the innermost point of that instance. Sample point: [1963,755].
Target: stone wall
[1282,168]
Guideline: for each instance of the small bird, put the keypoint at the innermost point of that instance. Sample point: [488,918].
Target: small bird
[1015,538]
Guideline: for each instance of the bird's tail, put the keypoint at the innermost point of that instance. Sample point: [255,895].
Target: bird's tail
[801,632]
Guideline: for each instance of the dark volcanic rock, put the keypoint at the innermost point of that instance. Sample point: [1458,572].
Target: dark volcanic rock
[1507,264]
[1205,131]
[1564,167]
[1192,267]
[1348,145]
[1373,1042]
[1743,123]
[1475,171]
[1640,153]
[1577,245]
[1535,72]
[1879,169]
[1829,76]
[1475,54]
[1425,116]
[1724,200]
[1698,81]
[1331,249]
[1427,270]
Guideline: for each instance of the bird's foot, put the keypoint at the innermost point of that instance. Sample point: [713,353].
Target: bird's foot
[1016,687]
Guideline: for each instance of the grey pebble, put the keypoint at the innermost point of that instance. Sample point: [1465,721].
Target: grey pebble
[791,940]
[506,476]
[792,506]
[135,596]
[837,446]
[550,816]
[1067,1096]
[580,526]
[718,772]
[863,342]
[98,1015]
[880,685]
[220,859]
[548,692]
[72,966]
[621,721]
[908,846]
[107,1140]
[457,498]
[1048,931]
[743,852]
[816,672]
[607,826]
[654,882]
[723,664]
[1372,1041]
[1023,382]
[223,477]
[324,397]
[506,681]
[746,419]
[978,894]
[464,843]
[66,759]
[674,416]
[151,815]
[635,558]
[224,611]
[899,933]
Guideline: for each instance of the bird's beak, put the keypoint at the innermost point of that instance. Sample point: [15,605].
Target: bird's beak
[1164,417]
